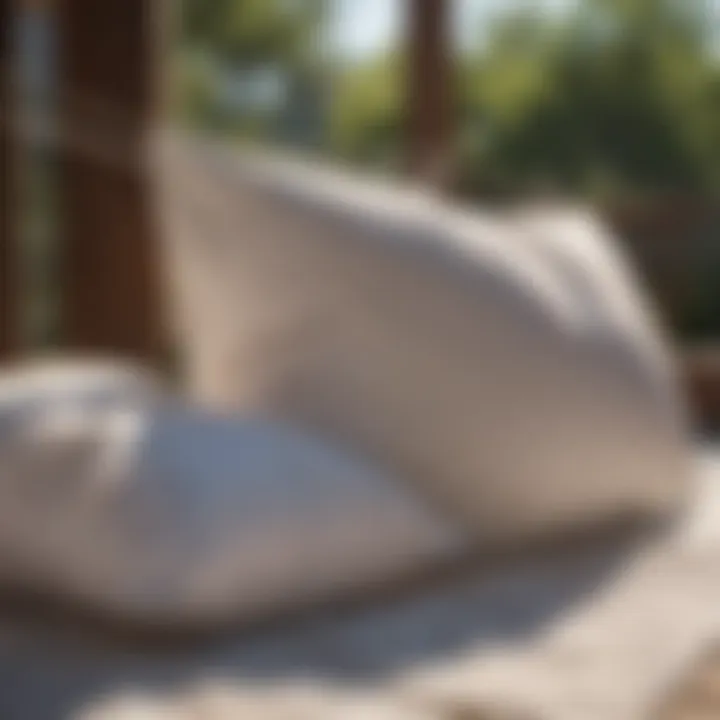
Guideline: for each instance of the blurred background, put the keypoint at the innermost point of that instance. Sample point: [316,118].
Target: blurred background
[615,103]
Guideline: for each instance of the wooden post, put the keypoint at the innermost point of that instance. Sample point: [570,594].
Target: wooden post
[430,92]
[108,81]
[10,326]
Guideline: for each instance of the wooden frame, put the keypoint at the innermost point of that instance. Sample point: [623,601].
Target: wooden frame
[430,92]
[107,76]
[10,329]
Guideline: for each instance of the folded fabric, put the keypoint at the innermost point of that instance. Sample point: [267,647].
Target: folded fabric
[507,367]
[141,509]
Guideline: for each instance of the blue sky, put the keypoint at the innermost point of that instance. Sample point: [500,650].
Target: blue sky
[366,25]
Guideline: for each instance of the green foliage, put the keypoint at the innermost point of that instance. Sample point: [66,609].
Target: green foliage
[243,33]
[271,47]
[618,97]
[367,112]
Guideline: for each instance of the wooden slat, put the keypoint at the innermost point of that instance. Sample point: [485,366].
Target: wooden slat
[107,75]
[430,92]
[9,256]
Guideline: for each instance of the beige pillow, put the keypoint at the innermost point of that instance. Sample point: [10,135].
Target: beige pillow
[507,366]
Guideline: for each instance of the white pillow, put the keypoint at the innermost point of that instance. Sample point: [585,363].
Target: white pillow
[94,380]
[506,366]
[153,512]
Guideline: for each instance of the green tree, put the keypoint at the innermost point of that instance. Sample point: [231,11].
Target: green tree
[614,96]
[246,33]
[620,96]
[366,125]
[251,66]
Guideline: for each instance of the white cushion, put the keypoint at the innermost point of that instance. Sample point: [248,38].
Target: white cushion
[507,367]
[154,512]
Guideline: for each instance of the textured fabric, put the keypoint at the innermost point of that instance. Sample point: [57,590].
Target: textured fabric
[506,367]
[602,633]
[146,510]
